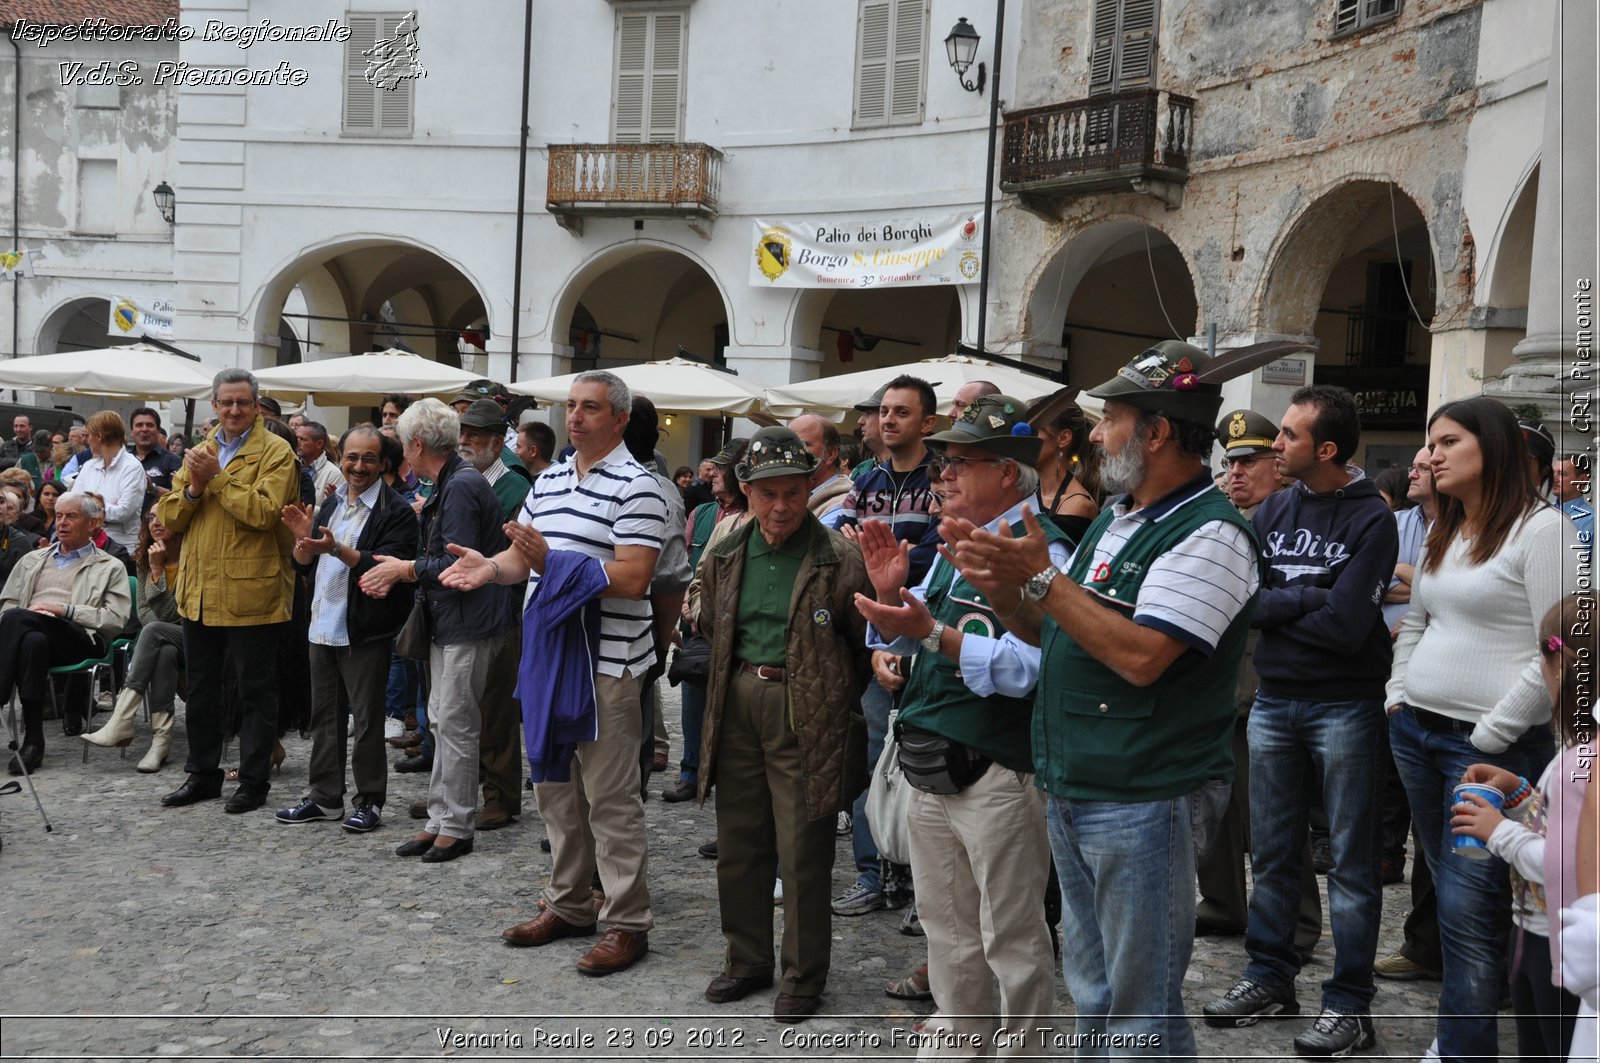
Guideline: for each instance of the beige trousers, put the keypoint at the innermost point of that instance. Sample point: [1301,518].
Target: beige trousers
[609,836]
[980,860]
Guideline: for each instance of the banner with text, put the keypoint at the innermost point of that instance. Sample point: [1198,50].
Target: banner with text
[888,253]
[153,318]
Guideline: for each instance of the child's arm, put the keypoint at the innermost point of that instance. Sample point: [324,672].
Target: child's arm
[1589,843]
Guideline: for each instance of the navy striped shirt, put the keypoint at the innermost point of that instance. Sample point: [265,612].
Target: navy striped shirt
[618,503]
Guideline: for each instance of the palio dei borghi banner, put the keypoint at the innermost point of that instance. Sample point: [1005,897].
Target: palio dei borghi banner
[871,253]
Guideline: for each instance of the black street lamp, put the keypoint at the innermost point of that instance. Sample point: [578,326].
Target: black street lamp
[166,202]
[962,46]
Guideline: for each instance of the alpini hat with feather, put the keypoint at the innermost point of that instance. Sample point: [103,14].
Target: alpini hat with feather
[1170,378]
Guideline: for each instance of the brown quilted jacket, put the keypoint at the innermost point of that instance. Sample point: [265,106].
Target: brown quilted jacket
[826,657]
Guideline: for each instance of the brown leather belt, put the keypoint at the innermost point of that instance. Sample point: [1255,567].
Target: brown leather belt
[771,673]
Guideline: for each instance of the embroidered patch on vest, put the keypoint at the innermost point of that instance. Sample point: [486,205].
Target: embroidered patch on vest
[822,618]
[1102,572]
[975,624]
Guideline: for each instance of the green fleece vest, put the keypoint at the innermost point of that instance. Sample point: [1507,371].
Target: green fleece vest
[936,697]
[1098,737]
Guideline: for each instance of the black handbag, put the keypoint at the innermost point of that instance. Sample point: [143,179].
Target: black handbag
[935,764]
[414,638]
[690,661]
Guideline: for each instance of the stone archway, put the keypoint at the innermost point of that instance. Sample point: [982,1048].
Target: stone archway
[1109,290]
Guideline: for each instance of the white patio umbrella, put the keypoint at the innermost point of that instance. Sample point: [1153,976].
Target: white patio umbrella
[135,371]
[675,385]
[838,394]
[363,379]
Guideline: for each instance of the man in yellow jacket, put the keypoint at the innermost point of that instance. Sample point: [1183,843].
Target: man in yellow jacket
[234,585]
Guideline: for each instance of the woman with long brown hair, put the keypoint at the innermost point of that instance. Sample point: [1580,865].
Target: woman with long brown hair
[1467,686]
[158,653]
[1069,473]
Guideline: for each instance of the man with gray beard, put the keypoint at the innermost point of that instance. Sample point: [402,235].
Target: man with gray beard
[1141,639]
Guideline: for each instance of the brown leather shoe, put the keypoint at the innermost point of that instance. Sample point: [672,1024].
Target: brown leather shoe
[725,988]
[658,762]
[544,928]
[791,1008]
[493,817]
[417,810]
[616,951]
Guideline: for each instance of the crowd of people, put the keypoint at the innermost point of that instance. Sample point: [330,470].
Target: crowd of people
[1104,674]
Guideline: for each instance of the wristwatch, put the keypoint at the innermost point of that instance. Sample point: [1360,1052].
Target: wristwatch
[1039,585]
[931,641]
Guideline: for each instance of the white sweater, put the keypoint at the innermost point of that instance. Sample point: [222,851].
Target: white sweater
[1469,646]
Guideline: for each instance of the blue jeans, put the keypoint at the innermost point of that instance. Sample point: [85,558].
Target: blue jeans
[1474,896]
[875,705]
[400,692]
[692,693]
[1127,921]
[1292,744]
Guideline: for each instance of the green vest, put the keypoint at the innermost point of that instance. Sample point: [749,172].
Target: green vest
[512,491]
[937,699]
[1098,737]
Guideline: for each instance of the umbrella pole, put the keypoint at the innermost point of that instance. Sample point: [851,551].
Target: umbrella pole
[188,418]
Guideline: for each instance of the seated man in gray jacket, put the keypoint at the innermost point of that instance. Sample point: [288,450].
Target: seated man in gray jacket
[61,605]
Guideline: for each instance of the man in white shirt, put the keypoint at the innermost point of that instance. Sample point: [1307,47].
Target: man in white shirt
[311,441]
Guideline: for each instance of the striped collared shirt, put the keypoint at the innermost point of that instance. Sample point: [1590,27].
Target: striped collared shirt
[618,503]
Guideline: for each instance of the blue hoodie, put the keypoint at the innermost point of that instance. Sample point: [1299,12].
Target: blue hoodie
[1328,558]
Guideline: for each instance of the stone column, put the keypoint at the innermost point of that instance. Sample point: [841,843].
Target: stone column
[1554,366]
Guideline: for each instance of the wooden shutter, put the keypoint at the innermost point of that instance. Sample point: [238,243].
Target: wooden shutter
[872,63]
[360,95]
[1346,16]
[649,77]
[1123,53]
[1137,39]
[891,52]
[666,78]
[910,45]
[394,105]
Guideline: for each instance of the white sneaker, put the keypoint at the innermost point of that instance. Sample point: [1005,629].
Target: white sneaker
[777,892]
[350,725]
[393,728]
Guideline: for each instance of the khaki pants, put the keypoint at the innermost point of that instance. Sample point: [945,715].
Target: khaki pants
[762,822]
[609,834]
[980,860]
[459,672]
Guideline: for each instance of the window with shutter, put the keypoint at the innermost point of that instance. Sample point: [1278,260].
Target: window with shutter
[891,52]
[368,109]
[1352,16]
[647,100]
[1123,53]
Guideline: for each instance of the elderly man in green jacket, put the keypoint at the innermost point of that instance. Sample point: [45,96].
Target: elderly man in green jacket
[784,737]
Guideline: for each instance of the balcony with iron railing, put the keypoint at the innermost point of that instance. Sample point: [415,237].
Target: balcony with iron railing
[632,180]
[1123,141]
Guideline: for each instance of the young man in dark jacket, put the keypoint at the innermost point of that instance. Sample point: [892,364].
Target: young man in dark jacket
[350,633]
[898,492]
[1323,657]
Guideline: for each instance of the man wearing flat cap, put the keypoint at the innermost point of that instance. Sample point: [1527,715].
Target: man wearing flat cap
[784,736]
[1140,638]
[1250,475]
[977,823]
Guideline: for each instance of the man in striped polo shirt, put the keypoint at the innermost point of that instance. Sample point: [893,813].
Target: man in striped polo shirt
[603,505]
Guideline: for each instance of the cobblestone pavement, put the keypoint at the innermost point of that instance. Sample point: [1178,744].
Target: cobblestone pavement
[138,931]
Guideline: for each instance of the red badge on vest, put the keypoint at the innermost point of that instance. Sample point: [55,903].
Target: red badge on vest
[1102,572]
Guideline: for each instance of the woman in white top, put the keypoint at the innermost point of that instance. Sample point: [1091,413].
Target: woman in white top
[113,473]
[1467,686]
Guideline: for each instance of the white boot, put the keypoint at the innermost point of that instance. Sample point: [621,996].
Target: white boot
[161,726]
[118,731]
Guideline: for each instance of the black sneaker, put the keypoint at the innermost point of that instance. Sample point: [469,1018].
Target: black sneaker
[365,818]
[1248,1002]
[308,811]
[1334,1036]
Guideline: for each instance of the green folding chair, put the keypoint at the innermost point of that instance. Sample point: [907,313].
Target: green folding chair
[93,665]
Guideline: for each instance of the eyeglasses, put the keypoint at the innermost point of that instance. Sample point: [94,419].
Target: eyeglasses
[956,465]
[1421,469]
[233,404]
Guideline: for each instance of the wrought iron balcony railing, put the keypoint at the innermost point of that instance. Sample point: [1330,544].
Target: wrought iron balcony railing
[1123,141]
[632,179]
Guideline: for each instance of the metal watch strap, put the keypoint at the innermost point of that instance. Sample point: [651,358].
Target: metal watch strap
[1038,584]
[930,642]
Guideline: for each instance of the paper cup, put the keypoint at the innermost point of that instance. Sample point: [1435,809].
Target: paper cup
[1466,844]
